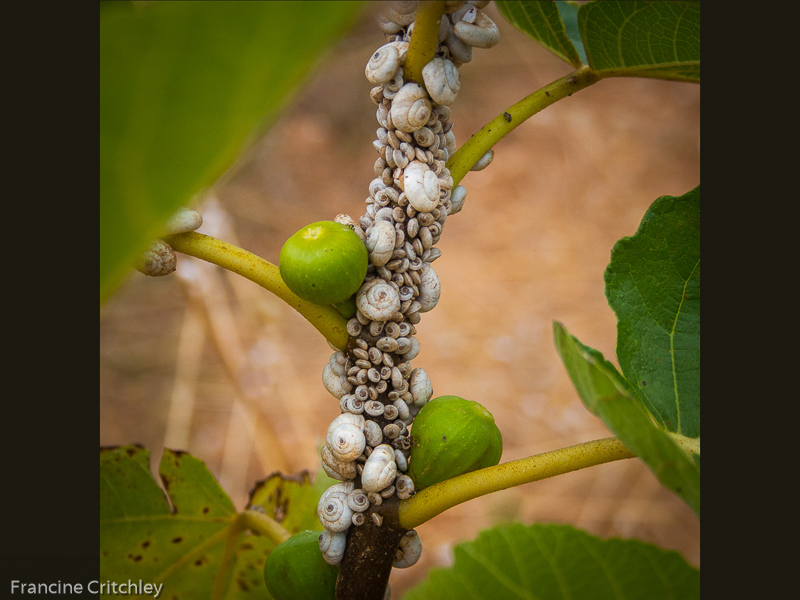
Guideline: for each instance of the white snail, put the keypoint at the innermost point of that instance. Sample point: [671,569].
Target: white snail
[183,221]
[409,550]
[383,64]
[421,186]
[460,52]
[404,486]
[356,420]
[484,161]
[373,433]
[429,289]
[402,13]
[357,500]
[380,242]
[441,80]
[379,470]
[377,300]
[411,108]
[402,463]
[345,441]
[332,510]
[336,384]
[457,199]
[482,33]
[420,387]
[332,545]
[335,467]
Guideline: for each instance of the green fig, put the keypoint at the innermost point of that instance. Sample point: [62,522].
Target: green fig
[452,436]
[296,570]
[325,262]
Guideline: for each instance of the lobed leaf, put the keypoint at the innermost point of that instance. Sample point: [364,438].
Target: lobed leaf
[178,540]
[182,85]
[607,395]
[653,286]
[642,39]
[553,562]
[291,501]
[543,22]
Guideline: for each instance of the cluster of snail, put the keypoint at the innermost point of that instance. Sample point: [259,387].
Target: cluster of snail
[379,392]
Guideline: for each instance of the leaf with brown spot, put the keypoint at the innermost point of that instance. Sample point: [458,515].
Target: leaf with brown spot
[291,500]
[176,539]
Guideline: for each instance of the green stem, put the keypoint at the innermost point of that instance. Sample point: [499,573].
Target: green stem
[325,319]
[264,525]
[424,39]
[491,133]
[437,498]
[691,445]
[254,521]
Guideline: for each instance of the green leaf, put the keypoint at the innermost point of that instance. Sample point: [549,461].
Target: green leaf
[542,21]
[553,562]
[174,541]
[292,501]
[569,16]
[607,395]
[653,286]
[642,39]
[182,86]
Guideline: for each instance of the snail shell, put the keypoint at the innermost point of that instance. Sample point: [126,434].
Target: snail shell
[442,80]
[158,260]
[183,221]
[457,199]
[378,300]
[332,510]
[346,442]
[380,469]
[356,420]
[482,33]
[459,51]
[402,13]
[402,465]
[332,545]
[484,161]
[380,242]
[373,433]
[383,64]
[429,288]
[411,108]
[335,468]
[357,500]
[450,142]
[409,550]
[336,384]
[421,186]
[404,486]
[420,387]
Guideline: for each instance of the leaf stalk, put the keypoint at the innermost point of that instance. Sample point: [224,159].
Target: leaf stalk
[480,143]
[440,497]
[325,319]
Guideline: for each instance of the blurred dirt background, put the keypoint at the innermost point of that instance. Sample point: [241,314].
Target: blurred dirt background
[210,363]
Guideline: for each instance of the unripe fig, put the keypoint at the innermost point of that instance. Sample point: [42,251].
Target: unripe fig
[324,263]
[296,570]
[452,436]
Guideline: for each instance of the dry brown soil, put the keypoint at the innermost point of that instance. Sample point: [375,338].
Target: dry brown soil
[212,364]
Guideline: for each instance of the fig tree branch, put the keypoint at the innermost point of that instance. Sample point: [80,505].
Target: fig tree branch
[424,40]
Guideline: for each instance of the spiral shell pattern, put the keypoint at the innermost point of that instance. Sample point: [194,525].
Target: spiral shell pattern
[410,197]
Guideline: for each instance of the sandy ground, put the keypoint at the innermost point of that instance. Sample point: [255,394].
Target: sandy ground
[212,364]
